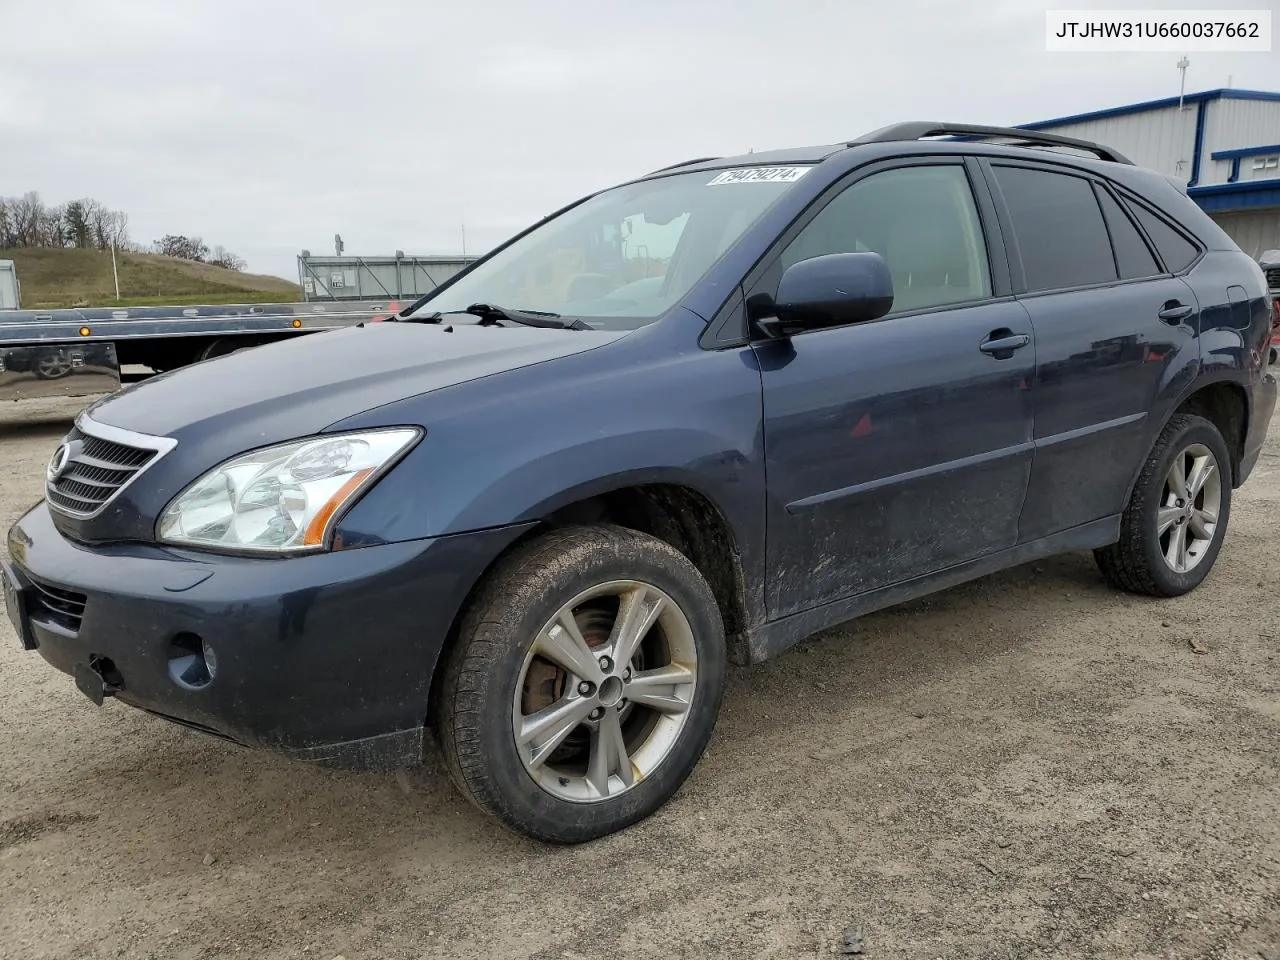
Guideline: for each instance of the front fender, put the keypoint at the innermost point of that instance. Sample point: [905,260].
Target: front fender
[508,449]
[524,475]
[589,468]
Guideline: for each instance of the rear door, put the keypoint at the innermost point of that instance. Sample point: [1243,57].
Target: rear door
[902,446]
[1115,332]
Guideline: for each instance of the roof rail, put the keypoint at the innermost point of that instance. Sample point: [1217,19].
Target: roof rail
[683,163]
[918,129]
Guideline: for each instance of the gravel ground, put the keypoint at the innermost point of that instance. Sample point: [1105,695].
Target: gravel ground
[1030,765]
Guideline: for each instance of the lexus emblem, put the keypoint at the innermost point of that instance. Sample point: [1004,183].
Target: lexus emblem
[58,462]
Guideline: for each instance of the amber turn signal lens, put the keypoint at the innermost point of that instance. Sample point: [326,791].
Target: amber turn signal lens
[314,537]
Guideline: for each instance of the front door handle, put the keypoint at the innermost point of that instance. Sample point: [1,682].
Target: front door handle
[1175,311]
[1002,347]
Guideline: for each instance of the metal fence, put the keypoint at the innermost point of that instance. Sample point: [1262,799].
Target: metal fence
[370,278]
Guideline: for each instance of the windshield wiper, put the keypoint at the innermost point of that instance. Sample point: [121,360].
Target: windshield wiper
[491,314]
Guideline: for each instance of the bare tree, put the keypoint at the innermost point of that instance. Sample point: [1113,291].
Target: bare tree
[85,223]
[222,257]
[27,213]
[100,224]
[51,230]
[117,229]
[183,247]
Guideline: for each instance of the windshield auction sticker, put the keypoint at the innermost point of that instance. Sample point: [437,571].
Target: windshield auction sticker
[759,175]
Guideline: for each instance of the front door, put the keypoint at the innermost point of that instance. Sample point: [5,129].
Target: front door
[902,446]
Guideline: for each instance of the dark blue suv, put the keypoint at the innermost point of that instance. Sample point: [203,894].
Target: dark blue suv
[690,419]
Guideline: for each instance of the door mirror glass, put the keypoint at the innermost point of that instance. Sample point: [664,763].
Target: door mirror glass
[833,290]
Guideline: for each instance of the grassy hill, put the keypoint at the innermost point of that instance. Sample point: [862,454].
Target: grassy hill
[71,278]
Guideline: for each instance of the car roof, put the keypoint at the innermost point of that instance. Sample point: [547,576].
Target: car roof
[919,134]
[763,158]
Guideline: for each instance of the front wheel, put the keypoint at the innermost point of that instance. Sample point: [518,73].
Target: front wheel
[1173,526]
[584,685]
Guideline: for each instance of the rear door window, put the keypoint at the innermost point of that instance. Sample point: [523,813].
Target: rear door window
[1134,259]
[1058,227]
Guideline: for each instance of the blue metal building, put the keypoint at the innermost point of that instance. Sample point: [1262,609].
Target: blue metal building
[1224,143]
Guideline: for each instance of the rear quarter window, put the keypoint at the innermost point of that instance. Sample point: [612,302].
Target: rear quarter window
[1133,257]
[1175,250]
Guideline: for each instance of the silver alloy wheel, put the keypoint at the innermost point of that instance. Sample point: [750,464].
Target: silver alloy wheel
[1187,518]
[605,691]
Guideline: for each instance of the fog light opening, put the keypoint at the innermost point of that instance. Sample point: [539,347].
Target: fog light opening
[192,662]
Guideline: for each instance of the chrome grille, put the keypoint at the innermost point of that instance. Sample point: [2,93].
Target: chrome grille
[63,607]
[94,463]
[1273,278]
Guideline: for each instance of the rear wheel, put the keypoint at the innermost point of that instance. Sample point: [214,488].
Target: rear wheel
[585,683]
[1172,528]
[225,346]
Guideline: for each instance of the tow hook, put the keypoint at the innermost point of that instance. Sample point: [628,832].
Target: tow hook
[98,679]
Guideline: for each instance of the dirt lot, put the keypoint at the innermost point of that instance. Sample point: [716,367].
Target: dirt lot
[1027,766]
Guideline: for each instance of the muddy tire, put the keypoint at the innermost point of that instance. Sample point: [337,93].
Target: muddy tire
[584,685]
[1173,526]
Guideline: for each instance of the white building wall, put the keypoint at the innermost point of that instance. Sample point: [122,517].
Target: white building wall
[1254,231]
[1232,124]
[1260,168]
[1162,139]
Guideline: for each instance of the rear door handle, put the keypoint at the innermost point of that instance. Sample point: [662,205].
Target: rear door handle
[1175,312]
[1004,345]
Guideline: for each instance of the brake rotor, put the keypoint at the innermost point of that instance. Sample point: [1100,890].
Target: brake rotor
[546,682]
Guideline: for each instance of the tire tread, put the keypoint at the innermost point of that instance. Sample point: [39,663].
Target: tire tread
[1124,564]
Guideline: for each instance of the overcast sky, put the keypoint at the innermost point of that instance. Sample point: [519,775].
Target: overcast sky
[268,126]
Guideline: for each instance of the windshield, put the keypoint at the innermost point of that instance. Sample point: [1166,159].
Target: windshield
[624,257]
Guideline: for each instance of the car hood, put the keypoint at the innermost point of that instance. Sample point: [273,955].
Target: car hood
[299,387]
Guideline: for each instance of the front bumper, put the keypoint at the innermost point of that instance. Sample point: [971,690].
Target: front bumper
[325,657]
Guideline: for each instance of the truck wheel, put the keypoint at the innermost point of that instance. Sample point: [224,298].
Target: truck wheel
[584,685]
[224,347]
[1173,526]
[52,365]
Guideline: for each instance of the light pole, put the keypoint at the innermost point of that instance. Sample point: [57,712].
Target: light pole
[114,272]
[1182,120]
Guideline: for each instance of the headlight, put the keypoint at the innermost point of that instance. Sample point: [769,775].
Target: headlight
[282,499]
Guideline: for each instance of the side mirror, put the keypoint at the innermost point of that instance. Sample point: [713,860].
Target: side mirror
[829,291]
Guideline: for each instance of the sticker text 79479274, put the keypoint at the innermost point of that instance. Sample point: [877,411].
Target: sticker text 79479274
[758,175]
